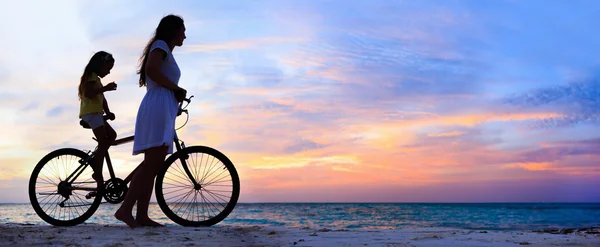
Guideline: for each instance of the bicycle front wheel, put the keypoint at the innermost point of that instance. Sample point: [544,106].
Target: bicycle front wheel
[61,189]
[203,204]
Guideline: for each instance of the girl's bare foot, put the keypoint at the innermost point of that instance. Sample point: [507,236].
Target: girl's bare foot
[126,218]
[145,221]
[99,181]
[98,178]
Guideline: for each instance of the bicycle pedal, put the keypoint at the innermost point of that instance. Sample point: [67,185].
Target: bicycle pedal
[62,204]
[91,195]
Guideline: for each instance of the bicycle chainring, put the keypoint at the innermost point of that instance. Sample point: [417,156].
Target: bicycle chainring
[115,190]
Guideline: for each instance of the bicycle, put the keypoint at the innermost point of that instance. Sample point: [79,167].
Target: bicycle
[65,193]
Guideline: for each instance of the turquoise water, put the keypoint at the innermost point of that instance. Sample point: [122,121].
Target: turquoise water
[491,216]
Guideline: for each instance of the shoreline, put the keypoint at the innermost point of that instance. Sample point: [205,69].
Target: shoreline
[18,234]
[371,216]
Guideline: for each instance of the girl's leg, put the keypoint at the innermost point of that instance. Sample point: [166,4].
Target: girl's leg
[103,144]
[111,136]
[110,133]
[155,158]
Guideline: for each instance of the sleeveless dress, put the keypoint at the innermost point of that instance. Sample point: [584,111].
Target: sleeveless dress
[155,121]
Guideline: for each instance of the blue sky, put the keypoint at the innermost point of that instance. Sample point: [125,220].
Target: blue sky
[420,100]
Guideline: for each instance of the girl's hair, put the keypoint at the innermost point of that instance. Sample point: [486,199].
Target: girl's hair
[93,66]
[166,31]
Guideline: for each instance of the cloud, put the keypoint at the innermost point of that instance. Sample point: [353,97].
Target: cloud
[578,101]
[238,45]
[56,111]
[555,151]
[303,145]
[447,134]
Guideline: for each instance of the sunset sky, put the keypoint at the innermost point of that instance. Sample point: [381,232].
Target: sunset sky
[330,101]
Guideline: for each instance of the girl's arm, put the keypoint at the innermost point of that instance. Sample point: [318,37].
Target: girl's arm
[153,70]
[91,92]
[105,106]
[110,115]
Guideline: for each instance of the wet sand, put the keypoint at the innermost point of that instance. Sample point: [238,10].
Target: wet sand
[222,235]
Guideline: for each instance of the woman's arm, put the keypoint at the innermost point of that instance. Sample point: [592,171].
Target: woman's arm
[153,70]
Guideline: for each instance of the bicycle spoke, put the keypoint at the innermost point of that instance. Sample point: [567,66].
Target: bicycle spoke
[177,196]
[212,181]
[201,204]
[214,195]
[209,205]
[205,169]
[61,202]
[180,203]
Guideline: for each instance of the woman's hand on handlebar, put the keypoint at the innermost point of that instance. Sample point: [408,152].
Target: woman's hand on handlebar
[180,94]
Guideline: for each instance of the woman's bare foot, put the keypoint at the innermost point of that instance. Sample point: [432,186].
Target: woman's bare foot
[145,221]
[126,218]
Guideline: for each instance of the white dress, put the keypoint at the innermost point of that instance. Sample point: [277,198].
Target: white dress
[155,122]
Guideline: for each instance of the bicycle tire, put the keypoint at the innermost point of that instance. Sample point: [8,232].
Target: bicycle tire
[34,200]
[188,151]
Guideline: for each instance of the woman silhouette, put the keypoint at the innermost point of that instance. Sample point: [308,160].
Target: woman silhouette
[155,122]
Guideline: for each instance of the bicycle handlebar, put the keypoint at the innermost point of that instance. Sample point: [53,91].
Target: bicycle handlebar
[182,108]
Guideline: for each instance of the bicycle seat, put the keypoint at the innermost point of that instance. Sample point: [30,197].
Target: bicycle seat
[84,124]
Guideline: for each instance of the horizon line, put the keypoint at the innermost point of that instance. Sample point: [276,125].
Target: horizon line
[307,202]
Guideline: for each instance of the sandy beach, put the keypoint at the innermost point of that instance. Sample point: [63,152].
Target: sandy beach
[118,235]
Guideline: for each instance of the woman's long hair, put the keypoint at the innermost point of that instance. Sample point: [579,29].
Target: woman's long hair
[93,66]
[167,30]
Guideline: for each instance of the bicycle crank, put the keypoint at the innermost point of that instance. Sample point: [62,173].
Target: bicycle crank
[115,190]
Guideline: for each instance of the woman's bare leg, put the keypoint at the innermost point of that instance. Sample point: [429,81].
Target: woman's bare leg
[155,158]
[125,211]
[140,189]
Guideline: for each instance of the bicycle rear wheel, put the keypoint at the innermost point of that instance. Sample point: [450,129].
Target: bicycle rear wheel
[52,196]
[203,205]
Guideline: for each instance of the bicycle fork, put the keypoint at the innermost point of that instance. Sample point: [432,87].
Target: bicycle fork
[183,160]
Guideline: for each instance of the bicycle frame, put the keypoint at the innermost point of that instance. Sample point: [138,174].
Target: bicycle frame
[179,145]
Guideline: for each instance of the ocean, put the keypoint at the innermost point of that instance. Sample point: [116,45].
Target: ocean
[477,216]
